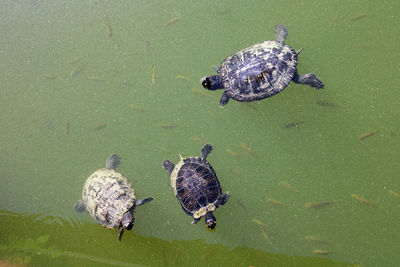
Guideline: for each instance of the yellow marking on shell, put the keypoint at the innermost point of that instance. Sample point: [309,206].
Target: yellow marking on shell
[174,174]
[202,211]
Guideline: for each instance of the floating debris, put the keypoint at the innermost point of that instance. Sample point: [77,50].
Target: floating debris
[393,193]
[153,75]
[366,135]
[67,127]
[290,187]
[167,126]
[78,70]
[275,202]
[49,76]
[182,77]
[357,17]
[362,200]
[317,205]
[260,223]
[97,128]
[293,125]
[247,149]
[322,252]
[233,153]
[109,30]
[73,61]
[236,173]
[170,22]
[96,79]
[316,240]
[266,237]
[323,103]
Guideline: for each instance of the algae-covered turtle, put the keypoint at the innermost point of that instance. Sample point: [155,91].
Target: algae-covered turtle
[110,198]
[196,186]
[259,71]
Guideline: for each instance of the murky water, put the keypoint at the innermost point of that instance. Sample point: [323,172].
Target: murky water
[85,79]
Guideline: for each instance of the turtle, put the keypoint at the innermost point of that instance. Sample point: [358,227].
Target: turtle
[110,198]
[196,186]
[259,71]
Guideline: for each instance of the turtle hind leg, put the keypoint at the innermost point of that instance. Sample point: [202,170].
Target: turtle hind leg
[113,162]
[143,201]
[195,221]
[309,79]
[168,165]
[206,150]
[79,206]
[281,33]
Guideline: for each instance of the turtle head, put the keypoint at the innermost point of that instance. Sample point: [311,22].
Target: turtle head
[212,82]
[210,220]
[127,223]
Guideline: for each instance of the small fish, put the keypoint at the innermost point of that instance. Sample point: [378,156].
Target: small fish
[67,127]
[137,107]
[97,128]
[153,75]
[293,125]
[247,149]
[233,153]
[49,76]
[250,106]
[290,187]
[240,203]
[170,22]
[362,200]
[199,92]
[182,77]
[316,240]
[208,253]
[363,46]
[331,19]
[78,70]
[109,30]
[317,205]
[96,79]
[197,139]
[265,235]
[322,252]
[275,202]
[323,103]
[393,193]
[366,135]
[73,61]
[236,172]
[167,126]
[260,223]
[357,17]
[148,43]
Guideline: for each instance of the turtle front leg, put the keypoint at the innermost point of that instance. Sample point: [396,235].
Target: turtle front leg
[79,206]
[309,79]
[143,201]
[225,198]
[196,220]
[168,165]
[224,99]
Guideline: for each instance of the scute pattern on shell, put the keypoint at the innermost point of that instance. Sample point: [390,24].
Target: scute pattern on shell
[107,195]
[260,71]
[196,186]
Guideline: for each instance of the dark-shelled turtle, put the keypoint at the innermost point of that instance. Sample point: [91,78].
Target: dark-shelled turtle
[196,186]
[259,71]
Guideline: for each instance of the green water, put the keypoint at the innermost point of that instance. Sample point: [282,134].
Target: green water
[57,128]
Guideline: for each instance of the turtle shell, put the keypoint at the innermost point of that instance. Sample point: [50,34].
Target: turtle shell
[196,186]
[107,195]
[259,71]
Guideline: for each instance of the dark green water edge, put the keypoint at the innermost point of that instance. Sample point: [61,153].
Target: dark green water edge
[34,240]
